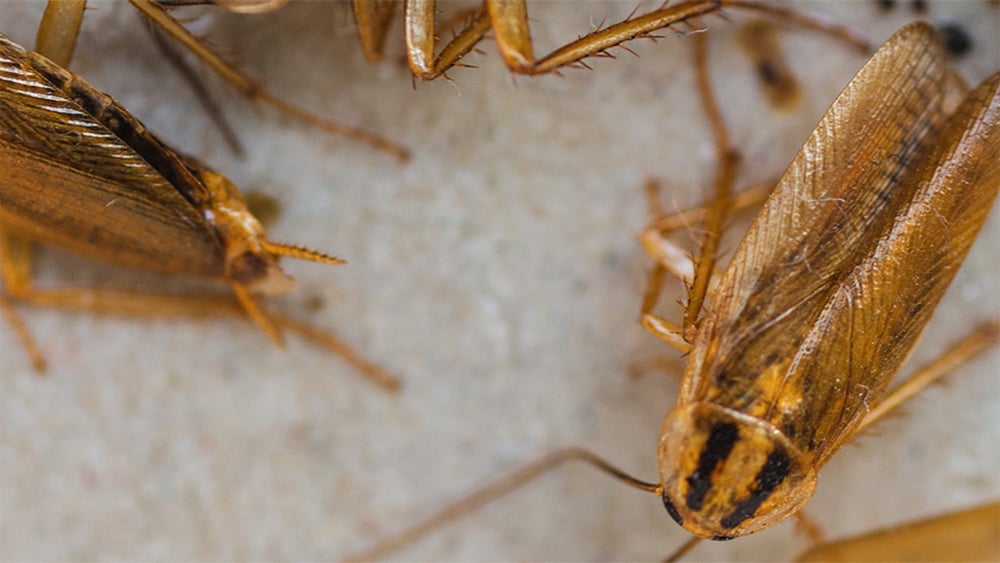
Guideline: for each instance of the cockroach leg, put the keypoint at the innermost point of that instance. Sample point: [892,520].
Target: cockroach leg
[57,36]
[659,327]
[58,29]
[508,20]
[15,267]
[715,216]
[19,327]
[158,16]
[373,18]
[979,339]
[809,527]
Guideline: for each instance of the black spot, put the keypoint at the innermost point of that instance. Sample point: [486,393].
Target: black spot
[83,98]
[722,538]
[886,5]
[672,510]
[775,469]
[247,268]
[956,40]
[768,73]
[720,443]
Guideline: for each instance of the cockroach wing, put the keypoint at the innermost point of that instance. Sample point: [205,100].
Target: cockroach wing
[881,308]
[67,179]
[828,218]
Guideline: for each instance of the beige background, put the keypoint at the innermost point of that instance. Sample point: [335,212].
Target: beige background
[496,273]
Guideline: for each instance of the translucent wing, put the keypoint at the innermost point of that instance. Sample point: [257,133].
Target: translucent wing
[71,179]
[813,293]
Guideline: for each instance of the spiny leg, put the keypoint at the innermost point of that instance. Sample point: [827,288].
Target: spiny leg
[16,271]
[978,340]
[715,216]
[421,39]
[509,21]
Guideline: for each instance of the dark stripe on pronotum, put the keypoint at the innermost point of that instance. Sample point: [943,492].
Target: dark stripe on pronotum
[672,510]
[720,443]
[774,471]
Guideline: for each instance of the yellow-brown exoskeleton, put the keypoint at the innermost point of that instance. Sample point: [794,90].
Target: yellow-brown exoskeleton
[791,349]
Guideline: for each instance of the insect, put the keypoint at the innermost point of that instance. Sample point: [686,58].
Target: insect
[967,535]
[822,300]
[79,172]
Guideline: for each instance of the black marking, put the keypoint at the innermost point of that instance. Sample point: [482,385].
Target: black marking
[718,447]
[248,268]
[956,39]
[769,73]
[671,509]
[722,538]
[774,471]
[886,5]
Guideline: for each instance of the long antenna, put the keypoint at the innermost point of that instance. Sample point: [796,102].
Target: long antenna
[492,492]
[300,252]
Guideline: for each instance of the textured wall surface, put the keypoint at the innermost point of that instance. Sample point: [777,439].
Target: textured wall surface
[497,274]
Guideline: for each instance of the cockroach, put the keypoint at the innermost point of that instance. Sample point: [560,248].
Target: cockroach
[791,349]
[965,535]
[61,22]
[78,171]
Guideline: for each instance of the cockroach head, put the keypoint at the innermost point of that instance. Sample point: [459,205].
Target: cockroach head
[725,474]
[248,260]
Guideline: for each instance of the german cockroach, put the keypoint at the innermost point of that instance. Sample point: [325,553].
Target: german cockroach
[78,171]
[791,349]
[967,535]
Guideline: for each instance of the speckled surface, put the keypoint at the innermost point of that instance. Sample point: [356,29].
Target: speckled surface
[496,274]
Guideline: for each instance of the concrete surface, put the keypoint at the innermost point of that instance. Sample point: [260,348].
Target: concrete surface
[496,274]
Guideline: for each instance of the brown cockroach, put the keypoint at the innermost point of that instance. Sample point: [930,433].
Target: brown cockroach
[791,349]
[78,171]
